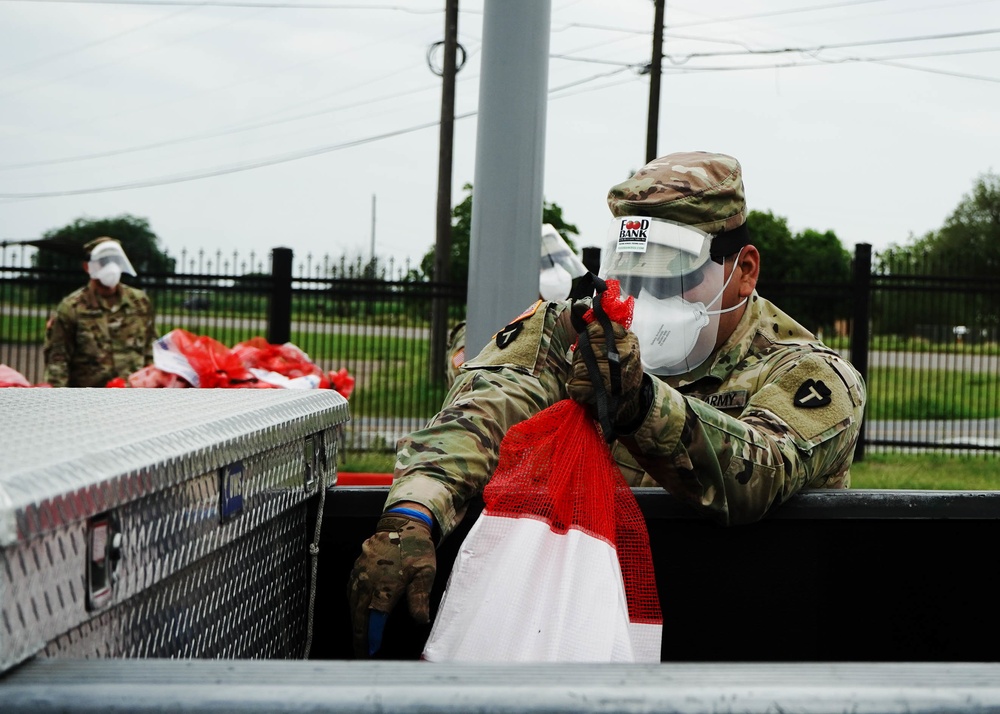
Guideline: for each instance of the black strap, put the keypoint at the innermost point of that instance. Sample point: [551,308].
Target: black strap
[605,403]
[728,242]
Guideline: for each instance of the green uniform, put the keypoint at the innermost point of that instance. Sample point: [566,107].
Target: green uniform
[770,412]
[455,352]
[91,339]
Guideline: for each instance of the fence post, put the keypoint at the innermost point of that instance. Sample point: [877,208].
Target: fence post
[860,323]
[279,313]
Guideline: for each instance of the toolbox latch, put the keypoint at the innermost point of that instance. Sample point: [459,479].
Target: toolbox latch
[104,550]
[314,455]
[231,487]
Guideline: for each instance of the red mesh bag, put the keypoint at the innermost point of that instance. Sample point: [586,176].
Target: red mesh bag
[557,567]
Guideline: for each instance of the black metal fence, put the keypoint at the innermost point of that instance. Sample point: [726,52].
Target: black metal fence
[924,336]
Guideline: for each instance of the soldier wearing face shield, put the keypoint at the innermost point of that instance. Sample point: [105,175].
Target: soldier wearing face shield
[103,330]
[726,402]
[561,276]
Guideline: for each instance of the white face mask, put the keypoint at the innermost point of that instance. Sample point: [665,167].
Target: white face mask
[109,274]
[670,331]
[554,283]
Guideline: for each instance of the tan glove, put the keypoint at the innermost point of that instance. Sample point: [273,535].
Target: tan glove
[398,558]
[633,404]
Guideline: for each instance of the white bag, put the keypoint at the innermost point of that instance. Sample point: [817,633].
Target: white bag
[547,571]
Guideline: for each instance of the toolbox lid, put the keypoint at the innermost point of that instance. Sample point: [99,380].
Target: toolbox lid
[67,454]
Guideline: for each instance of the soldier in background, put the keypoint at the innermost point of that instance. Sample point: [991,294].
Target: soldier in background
[103,330]
[562,276]
[726,401]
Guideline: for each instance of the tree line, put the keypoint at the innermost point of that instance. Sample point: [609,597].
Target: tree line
[966,247]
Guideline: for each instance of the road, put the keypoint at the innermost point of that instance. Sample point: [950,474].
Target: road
[366,433]
[197,322]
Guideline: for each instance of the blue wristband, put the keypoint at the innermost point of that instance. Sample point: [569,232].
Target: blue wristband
[413,514]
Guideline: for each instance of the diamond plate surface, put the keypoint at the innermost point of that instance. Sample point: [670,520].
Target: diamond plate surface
[67,454]
[247,600]
[189,583]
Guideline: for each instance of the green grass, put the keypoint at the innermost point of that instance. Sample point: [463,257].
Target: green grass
[927,472]
[17,329]
[401,387]
[923,472]
[899,393]
[371,462]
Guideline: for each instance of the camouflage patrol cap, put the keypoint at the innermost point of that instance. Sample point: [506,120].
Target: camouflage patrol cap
[696,188]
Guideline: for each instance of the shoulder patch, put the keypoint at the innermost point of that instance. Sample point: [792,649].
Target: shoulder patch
[508,334]
[532,309]
[518,345]
[811,399]
[811,394]
[513,328]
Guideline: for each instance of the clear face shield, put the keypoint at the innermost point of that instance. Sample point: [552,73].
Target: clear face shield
[107,263]
[667,267]
[559,266]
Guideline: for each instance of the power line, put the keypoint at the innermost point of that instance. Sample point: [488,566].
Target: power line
[214,89]
[624,65]
[888,61]
[110,63]
[712,21]
[577,83]
[680,59]
[207,135]
[260,163]
[231,169]
[217,3]
[7,71]
[775,13]
[836,46]
[307,153]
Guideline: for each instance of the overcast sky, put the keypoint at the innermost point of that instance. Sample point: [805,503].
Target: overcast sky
[274,124]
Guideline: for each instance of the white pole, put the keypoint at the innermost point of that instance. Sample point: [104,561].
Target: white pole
[510,151]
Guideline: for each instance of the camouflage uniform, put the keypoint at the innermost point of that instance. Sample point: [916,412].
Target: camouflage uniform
[731,438]
[770,412]
[90,339]
[555,251]
[455,352]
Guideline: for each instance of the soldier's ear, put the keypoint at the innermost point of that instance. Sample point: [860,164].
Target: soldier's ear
[748,262]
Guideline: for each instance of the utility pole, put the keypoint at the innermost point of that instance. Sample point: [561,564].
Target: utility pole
[442,243]
[655,66]
[373,232]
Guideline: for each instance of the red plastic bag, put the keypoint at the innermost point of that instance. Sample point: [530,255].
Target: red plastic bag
[287,359]
[341,381]
[215,364]
[182,359]
[10,377]
[201,360]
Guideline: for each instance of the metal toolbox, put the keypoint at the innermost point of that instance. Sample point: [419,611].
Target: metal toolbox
[160,522]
